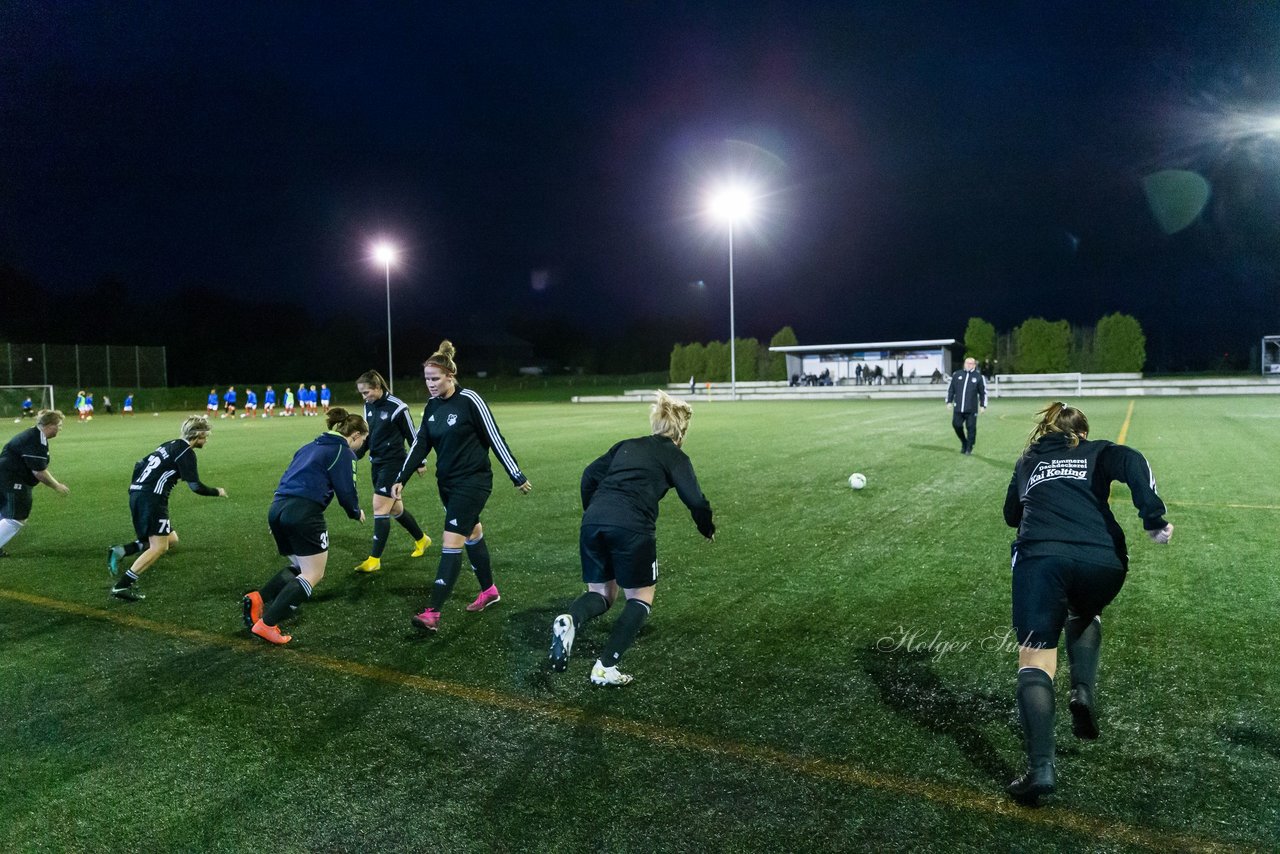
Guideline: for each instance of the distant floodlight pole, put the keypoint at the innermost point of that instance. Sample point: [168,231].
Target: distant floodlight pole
[385,254]
[728,205]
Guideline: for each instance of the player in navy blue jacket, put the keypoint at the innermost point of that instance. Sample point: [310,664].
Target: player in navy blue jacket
[618,543]
[1069,562]
[458,426]
[321,470]
[154,477]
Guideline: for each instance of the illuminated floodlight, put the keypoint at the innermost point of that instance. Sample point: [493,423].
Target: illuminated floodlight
[731,203]
[385,253]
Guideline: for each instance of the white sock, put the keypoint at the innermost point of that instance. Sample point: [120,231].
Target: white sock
[9,529]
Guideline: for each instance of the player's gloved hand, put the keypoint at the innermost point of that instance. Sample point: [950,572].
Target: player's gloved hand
[1161,536]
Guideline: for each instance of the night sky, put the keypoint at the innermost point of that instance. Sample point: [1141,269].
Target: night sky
[544,166]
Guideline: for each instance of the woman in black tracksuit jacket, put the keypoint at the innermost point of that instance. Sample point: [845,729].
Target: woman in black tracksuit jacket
[458,426]
[618,541]
[1069,562]
[390,429]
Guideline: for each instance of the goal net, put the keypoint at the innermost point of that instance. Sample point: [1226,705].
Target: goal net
[13,398]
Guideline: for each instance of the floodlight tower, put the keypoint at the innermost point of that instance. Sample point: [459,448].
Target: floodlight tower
[385,253]
[730,204]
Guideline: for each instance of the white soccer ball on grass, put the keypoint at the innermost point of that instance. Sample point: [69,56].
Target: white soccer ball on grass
[857,480]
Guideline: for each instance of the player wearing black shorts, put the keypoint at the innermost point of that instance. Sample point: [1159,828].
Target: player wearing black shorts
[154,477]
[320,470]
[618,542]
[24,462]
[458,425]
[1069,562]
[390,429]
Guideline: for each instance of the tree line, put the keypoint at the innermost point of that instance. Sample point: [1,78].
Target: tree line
[710,362]
[1116,344]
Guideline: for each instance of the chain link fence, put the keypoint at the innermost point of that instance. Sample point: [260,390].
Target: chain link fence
[83,365]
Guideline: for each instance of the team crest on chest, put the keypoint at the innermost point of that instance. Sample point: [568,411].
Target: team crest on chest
[452,419]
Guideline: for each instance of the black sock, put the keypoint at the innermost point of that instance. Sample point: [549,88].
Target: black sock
[478,554]
[381,530]
[1035,710]
[126,580]
[586,607]
[446,575]
[134,547]
[625,631]
[410,524]
[294,593]
[1084,643]
[272,588]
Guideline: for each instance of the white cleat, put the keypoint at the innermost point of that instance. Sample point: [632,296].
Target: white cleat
[601,675]
[561,642]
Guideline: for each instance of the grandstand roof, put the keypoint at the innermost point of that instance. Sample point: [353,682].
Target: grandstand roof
[871,345]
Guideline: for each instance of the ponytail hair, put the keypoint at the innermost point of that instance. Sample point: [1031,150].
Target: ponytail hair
[345,423]
[373,379]
[1059,418]
[442,358]
[669,416]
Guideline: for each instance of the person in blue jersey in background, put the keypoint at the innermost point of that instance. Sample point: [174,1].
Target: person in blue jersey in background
[229,399]
[211,406]
[458,426]
[250,403]
[324,396]
[268,401]
[320,471]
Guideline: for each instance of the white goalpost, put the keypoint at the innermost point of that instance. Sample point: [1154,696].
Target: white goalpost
[13,397]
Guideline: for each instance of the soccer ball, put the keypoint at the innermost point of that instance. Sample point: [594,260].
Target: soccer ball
[17,421]
[857,480]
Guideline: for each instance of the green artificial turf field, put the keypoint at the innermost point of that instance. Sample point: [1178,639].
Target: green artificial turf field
[832,673]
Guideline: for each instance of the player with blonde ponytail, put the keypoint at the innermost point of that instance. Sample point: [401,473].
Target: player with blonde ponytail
[618,542]
[458,426]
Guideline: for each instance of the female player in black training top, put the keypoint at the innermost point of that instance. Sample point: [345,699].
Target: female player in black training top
[154,477]
[320,470]
[458,425]
[1069,562]
[390,428]
[618,541]
[24,462]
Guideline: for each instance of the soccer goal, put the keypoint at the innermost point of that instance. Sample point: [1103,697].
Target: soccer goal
[13,397]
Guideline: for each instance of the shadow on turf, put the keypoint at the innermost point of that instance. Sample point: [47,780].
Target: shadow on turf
[953,451]
[907,684]
[1266,740]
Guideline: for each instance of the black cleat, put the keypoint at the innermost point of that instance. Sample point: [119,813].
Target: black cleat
[128,594]
[1028,788]
[1084,721]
